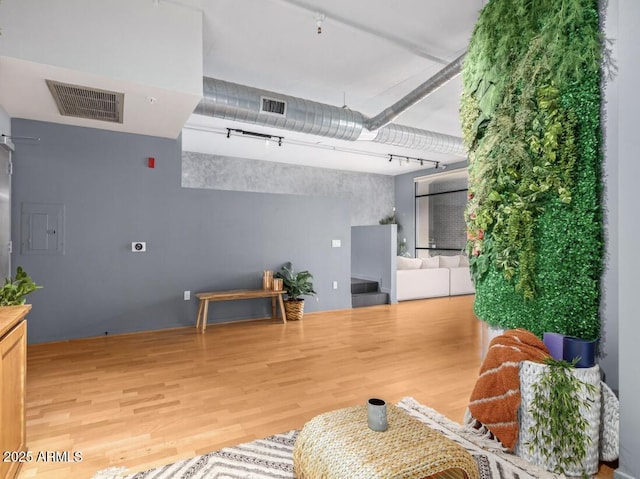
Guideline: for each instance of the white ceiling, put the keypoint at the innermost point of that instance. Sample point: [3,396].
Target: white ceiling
[370,54]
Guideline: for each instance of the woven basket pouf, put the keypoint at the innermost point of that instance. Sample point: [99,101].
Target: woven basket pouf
[340,445]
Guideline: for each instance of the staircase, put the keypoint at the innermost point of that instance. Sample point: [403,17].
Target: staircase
[366,293]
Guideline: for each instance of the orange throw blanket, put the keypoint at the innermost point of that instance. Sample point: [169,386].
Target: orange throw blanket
[496,396]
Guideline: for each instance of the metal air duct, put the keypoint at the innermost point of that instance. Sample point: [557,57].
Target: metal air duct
[242,103]
[389,114]
[246,104]
[415,138]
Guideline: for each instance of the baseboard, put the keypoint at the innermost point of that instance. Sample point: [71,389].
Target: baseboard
[243,319]
[618,474]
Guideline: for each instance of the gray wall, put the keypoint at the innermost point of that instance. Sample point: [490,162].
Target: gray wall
[197,239]
[373,256]
[609,284]
[628,105]
[370,197]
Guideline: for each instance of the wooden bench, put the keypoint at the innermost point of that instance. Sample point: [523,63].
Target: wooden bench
[205,298]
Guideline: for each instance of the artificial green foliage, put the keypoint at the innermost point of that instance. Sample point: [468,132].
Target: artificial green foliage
[560,430]
[530,115]
[13,291]
[295,283]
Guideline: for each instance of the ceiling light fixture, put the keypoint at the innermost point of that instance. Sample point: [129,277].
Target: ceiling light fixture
[315,145]
[320,17]
[436,164]
[254,134]
[11,137]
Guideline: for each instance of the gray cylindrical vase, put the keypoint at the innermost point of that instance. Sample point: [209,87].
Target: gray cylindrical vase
[377,414]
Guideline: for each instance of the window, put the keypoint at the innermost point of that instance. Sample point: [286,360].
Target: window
[440,204]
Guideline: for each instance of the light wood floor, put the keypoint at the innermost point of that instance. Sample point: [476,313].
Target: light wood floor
[142,400]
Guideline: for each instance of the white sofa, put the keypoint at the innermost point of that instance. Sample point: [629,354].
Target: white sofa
[418,278]
[459,275]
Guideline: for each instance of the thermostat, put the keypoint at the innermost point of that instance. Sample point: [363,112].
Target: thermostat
[138,246]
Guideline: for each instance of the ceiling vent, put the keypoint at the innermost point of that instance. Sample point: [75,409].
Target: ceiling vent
[88,103]
[272,106]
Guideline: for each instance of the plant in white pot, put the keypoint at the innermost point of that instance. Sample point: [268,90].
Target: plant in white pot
[560,423]
[296,285]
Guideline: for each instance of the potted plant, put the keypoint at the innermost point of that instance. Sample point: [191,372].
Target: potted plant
[402,244]
[296,285]
[560,420]
[13,291]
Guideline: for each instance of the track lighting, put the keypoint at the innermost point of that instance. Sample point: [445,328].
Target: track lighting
[320,17]
[12,137]
[265,136]
[407,159]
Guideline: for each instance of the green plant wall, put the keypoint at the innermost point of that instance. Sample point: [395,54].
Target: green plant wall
[530,114]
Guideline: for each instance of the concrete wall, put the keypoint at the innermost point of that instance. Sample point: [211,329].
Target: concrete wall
[370,196]
[197,239]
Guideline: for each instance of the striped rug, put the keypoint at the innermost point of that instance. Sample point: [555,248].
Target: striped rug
[271,457]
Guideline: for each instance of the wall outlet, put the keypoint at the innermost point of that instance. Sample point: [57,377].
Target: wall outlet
[187,295]
[335,285]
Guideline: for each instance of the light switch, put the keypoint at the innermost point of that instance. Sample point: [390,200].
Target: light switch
[336,243]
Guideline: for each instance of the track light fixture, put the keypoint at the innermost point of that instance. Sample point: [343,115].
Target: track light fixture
[254,134]
[12,137]
[320,17]
[434,163]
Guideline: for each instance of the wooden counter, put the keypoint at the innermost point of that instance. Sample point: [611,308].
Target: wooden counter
[13,373]
[11,315]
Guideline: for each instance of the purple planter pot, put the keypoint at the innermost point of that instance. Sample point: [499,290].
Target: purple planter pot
[555,344]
